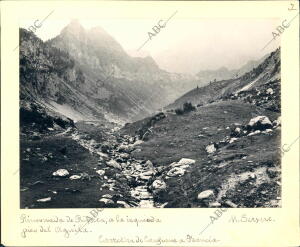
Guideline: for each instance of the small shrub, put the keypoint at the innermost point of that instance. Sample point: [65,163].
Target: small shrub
[187,107]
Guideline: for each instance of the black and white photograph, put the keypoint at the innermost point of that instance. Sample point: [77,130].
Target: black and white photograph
[150,123]
[190,117]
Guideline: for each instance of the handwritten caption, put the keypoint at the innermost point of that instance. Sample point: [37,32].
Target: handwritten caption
[68,225]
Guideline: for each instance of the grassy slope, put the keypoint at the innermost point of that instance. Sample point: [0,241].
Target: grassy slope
[79,193]
[177,137]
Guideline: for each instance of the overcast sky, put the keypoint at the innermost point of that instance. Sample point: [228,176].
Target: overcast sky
[184,45]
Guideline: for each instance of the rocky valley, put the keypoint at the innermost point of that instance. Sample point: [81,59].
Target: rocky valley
[99,128]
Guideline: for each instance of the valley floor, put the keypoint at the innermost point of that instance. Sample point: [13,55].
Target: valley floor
[182,156]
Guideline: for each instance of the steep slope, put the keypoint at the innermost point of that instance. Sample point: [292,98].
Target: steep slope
[263,80]
[49,82]
[225,153]
[128,87]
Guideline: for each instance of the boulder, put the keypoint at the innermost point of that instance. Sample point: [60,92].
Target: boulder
[185,161]
[277,122]
[267,131]
[124,204]
[206,195]
[106,201]
[259,123]
[269,91]
[108,196]
[211,148]
[47,199]
[100,172]
[75,177]
[178,168]
[149,164]
[114,164]
[124,155]
[60,173]
[35,136]
[254,133]
[176,172]
[158,185]
[144,177]
[214,204]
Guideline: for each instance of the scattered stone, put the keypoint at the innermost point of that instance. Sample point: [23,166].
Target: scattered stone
[101,172]
[38,183]
[47,199]
[108,196]
[126,148]
[124,204]
[124,155]
[272,172]
[163,205]
[115,164]
[60,173]
[75,177]
[277,122]
[105,148]
[136,151]
[230,204]
[176,171]
[214,204]
[254,133]
[158,185]
[36,137]
[270,91]
[205,194]
[252,175]
[211,148]
[143,177]
[106,201]
[232,140]
[259,123]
